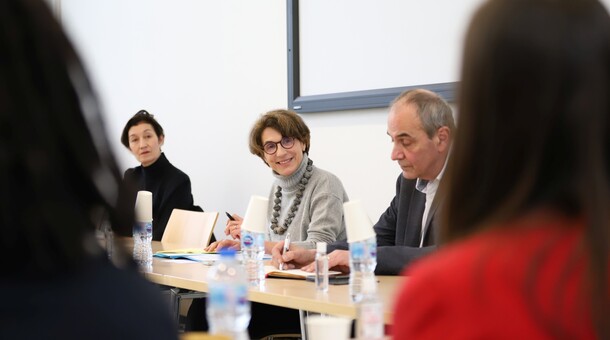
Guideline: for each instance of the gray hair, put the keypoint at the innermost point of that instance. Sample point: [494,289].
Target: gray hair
[433,111]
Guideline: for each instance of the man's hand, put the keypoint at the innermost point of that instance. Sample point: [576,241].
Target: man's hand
[337,260]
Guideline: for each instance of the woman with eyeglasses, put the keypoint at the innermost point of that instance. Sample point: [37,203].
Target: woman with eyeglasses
[171,188]
[305,201]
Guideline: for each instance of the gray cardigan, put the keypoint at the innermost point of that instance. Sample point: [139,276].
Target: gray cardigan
[320,214]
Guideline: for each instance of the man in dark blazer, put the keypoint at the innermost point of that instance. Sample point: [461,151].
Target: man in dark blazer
[420,124]
[397,246]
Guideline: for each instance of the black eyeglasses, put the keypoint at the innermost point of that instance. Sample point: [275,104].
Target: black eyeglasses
[270,148]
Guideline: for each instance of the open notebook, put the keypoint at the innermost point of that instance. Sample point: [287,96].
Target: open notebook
[271,271]
[189,229]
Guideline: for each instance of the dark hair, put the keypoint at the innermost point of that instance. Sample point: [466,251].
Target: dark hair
[534,126]
[286,122]
[140,117]
[56,167]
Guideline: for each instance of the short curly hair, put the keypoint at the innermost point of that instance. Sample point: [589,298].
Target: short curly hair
[286,122]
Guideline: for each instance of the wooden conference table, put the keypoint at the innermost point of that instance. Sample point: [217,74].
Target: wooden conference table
[296,294]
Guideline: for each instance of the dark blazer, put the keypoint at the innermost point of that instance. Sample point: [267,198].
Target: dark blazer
[399,229]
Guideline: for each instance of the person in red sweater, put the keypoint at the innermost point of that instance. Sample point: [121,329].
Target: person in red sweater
[525,227]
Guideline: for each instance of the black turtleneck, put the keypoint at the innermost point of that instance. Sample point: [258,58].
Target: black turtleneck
[170,187]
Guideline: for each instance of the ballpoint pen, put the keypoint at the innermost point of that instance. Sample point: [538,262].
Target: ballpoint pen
[286,247]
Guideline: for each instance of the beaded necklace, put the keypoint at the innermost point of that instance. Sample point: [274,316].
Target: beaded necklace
[295,204]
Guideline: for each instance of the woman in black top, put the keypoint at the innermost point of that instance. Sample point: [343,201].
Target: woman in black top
[170,187]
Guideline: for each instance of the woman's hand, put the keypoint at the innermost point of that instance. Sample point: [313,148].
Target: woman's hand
[233,227]
[294,258]
[227,243]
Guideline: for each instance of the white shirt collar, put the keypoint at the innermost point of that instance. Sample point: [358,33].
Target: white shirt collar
[423,185]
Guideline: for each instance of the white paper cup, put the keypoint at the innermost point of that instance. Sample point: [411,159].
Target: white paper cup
[321,327]
[256,215]
[143,208]
[357,223]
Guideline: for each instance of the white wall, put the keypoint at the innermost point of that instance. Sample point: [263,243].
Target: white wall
[207,70]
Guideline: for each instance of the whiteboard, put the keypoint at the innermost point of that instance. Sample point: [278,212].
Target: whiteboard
[352,54]
[352,45]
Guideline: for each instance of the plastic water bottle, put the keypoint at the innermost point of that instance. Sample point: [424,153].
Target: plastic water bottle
[142,248]
[362,263]
[228,308]
[253,251]
[142,231]
[369,312]
[321,265]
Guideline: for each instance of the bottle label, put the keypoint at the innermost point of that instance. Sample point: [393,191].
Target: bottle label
[142,229]
[251,240]
[364,251]
[356,250]
[217,295]
[222,294]
[247,240]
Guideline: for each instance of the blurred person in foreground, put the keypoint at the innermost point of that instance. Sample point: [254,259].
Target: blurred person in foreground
[57,173]
[526,223]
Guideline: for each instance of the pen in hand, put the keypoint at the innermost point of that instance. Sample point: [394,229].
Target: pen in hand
[286,247]
[233,226]
[229,216]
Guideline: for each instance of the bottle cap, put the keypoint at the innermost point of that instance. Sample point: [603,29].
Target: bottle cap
[357,223]
[143,209]
[321,247]
[256,215]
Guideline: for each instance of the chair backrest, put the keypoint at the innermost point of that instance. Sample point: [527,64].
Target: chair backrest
[189,229]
